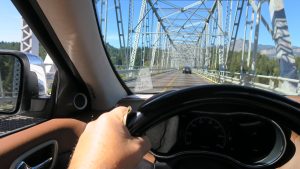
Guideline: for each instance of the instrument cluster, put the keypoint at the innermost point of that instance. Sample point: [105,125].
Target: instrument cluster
[243,137]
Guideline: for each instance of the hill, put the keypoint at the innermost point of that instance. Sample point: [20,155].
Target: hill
[267,50]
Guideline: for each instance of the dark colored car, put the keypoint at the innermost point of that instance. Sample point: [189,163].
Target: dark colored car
[187,70]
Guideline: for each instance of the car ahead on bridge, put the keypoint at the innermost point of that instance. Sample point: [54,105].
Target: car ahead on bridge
[196,126]
[187,70]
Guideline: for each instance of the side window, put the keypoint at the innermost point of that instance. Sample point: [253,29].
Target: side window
[16,35]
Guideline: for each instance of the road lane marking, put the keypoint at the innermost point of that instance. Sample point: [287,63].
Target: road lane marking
[168,86]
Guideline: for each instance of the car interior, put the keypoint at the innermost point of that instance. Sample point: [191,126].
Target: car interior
[208,126]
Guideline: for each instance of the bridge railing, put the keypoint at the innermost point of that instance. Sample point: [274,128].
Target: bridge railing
[127,74]
[9,94]
[8,101]
[270,83]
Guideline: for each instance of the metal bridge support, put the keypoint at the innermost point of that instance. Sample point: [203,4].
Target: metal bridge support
[16,78]
[220,35]
[130,26]
[155,44]
[213,48]
[137,35]
[244,44]
[201,56]
[235,29]
[29,43]
[250,39]
[121,34]
[167,49]
[1,86]
[163,56]
[255,44]
[103,18]
[284,51]
[207,51]
[227,39]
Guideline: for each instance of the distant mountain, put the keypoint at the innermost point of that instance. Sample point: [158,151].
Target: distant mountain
[268,50]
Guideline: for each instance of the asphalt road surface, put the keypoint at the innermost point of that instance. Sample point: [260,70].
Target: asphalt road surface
[169,81]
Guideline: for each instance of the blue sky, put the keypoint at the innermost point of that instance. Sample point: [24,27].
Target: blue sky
[292,14]
[11,22]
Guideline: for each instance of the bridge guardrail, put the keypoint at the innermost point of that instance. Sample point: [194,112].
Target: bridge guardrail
[8,101]
[8,94]
[270,83]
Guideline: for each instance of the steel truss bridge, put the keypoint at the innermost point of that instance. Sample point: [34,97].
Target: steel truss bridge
[202,34]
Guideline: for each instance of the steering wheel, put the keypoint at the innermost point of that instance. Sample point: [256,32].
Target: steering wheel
[220,98]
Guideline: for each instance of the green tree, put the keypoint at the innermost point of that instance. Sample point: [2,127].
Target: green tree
[10,45]
[6,70]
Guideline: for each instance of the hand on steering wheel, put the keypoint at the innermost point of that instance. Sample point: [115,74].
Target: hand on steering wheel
[294,163]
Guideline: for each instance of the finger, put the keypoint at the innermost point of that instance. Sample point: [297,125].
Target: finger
[294,136]
[143,143]
[121,112]
[147,144]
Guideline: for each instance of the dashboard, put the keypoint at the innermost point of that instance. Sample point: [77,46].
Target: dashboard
[242,137]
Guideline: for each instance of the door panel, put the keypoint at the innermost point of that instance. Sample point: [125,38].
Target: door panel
[65,131]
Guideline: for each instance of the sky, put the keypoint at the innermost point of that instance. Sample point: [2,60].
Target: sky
[11,22]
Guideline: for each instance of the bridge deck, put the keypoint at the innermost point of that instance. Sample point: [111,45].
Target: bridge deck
[171,81]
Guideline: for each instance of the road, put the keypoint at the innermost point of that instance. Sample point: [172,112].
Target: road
[170,81]
[7,104]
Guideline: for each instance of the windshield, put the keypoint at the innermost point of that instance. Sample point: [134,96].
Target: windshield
[160,45]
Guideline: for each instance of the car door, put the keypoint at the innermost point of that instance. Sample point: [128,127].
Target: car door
[37,125]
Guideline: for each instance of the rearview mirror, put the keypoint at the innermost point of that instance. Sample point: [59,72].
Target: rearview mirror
[10,78]
[22,78]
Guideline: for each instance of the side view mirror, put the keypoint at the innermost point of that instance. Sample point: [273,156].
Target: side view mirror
[18,83]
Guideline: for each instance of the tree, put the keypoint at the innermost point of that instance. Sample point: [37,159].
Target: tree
[264,65]
[6,70]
